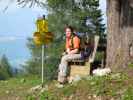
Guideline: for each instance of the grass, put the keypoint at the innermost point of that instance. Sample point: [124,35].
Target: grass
[116,86]
[130,65]
[17,87]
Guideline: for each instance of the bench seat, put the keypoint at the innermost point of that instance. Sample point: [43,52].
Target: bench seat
[85,69]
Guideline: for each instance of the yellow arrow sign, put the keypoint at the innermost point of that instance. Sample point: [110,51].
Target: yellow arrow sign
[37,38]
[48,35]
[40,39]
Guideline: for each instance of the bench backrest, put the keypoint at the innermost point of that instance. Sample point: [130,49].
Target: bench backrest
[92,56]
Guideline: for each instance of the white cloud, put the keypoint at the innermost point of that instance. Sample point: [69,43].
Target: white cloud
[9,38]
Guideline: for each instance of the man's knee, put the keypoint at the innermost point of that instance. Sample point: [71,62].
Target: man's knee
[65,58]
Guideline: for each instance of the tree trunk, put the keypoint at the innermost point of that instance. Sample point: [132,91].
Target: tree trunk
[120,36]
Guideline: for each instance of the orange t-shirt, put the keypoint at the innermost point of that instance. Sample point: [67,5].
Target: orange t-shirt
[76,43]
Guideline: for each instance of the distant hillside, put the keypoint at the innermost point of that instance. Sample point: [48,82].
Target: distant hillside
[16,51]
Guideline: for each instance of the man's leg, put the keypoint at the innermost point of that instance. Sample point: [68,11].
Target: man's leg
[64,64]
[62,69]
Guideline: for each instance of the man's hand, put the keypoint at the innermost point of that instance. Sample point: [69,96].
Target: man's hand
[64,53]
[68,50]
[73,51]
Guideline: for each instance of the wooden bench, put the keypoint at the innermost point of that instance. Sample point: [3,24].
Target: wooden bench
[84,70]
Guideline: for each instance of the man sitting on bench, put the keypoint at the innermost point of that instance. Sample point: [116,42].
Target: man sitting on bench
[72,52]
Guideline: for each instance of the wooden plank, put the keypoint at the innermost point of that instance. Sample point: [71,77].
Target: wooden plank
[96,41]
[81,70]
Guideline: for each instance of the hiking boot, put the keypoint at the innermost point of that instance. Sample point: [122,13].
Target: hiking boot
[62,79]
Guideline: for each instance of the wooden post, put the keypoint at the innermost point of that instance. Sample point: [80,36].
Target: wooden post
[42,64]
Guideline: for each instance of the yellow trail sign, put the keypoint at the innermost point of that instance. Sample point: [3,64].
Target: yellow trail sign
[42,25]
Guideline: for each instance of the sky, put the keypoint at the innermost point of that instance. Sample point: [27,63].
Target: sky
[16,25]
[103,8]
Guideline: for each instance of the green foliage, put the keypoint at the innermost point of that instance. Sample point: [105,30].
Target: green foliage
[75,13]
[5,68]
[68,90]
[128,95]
[31,98]
[130,65]
[47,96]
[99,56]
[18,86]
